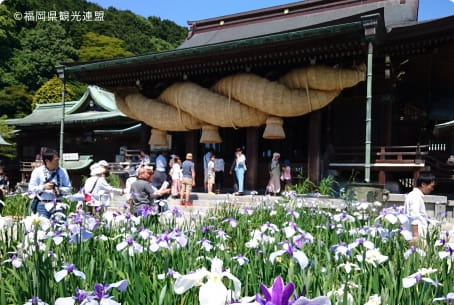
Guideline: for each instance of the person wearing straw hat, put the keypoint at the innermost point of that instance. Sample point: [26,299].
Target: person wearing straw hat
[188,180]
[98,190]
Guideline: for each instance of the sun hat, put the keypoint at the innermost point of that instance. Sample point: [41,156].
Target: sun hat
[103,163]
[96,169]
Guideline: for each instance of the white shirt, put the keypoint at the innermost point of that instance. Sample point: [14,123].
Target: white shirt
[176,172]
[100,190]
[41,174]
[211,168]
[415,209]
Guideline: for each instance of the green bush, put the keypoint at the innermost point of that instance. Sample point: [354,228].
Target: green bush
[326,186]
[16,205]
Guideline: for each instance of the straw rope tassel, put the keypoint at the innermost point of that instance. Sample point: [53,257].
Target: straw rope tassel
[230,106]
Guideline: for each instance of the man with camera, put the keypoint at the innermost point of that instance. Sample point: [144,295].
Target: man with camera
[49,183]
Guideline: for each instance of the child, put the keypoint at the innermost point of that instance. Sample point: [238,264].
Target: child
[287,175]
[211,174]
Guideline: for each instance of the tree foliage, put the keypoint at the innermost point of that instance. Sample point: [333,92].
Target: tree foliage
[15,101]
[50,92]
[30,50]
[42,48]
[101,47]
[7,132]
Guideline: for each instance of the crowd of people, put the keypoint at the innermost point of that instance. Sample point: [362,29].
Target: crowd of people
[49,183]
[146,184]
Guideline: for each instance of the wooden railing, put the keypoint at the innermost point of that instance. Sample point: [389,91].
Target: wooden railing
[402,154]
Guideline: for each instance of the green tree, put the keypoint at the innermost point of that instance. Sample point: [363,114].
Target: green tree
[101,47]
[16,101]
[168,30]
[8,40]
[160,45]
[50,92]
[42,48]
[7,133]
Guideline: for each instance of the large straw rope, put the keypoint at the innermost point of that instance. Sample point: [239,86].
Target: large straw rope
[323,78]
[272,97]
[156,114]
[210,107]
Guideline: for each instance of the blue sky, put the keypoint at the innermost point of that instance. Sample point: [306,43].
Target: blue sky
[181,11]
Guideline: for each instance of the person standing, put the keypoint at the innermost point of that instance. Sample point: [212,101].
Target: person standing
[206,159]
[219,173]
[211,175]
[160,175]
[274,184]
[4,187]
[49,183]
[144,159]
[176,175]
[415,208]
[287,175]
[240,169]
[98,188]
[188,181]
[132,177]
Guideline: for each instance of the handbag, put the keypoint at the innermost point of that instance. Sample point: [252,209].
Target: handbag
[34,205]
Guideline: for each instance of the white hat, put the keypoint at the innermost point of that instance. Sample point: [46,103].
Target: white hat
[103,163]
[96,169]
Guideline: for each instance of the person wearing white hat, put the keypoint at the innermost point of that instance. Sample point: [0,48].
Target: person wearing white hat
[97,189]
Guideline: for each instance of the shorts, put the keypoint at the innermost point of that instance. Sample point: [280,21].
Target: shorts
[186,185]
[210,179]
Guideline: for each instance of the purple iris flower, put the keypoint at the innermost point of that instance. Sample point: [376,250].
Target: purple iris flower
[278,294]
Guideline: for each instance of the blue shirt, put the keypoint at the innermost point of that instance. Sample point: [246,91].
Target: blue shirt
[187,168]
[161,163]
[39,177]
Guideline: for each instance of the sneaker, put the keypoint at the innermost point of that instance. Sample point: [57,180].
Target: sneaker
[188,204]
[211,193]
[182,202]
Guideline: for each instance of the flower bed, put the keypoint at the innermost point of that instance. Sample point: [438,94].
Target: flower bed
[306,254]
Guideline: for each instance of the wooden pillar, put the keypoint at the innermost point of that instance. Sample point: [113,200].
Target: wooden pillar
[191,144]
[192,139]
[382,176]
[252,153]
[314,135]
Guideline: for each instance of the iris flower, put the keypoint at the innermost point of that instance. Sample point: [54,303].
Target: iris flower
[68,269]
[419,276]
[293,252]
[241,259]
[213,291]
[16,261]
[414,250]
[35,301]
[97,297]
[447,299]
[279,294]
[374,300]
[373,257]
[132,246]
